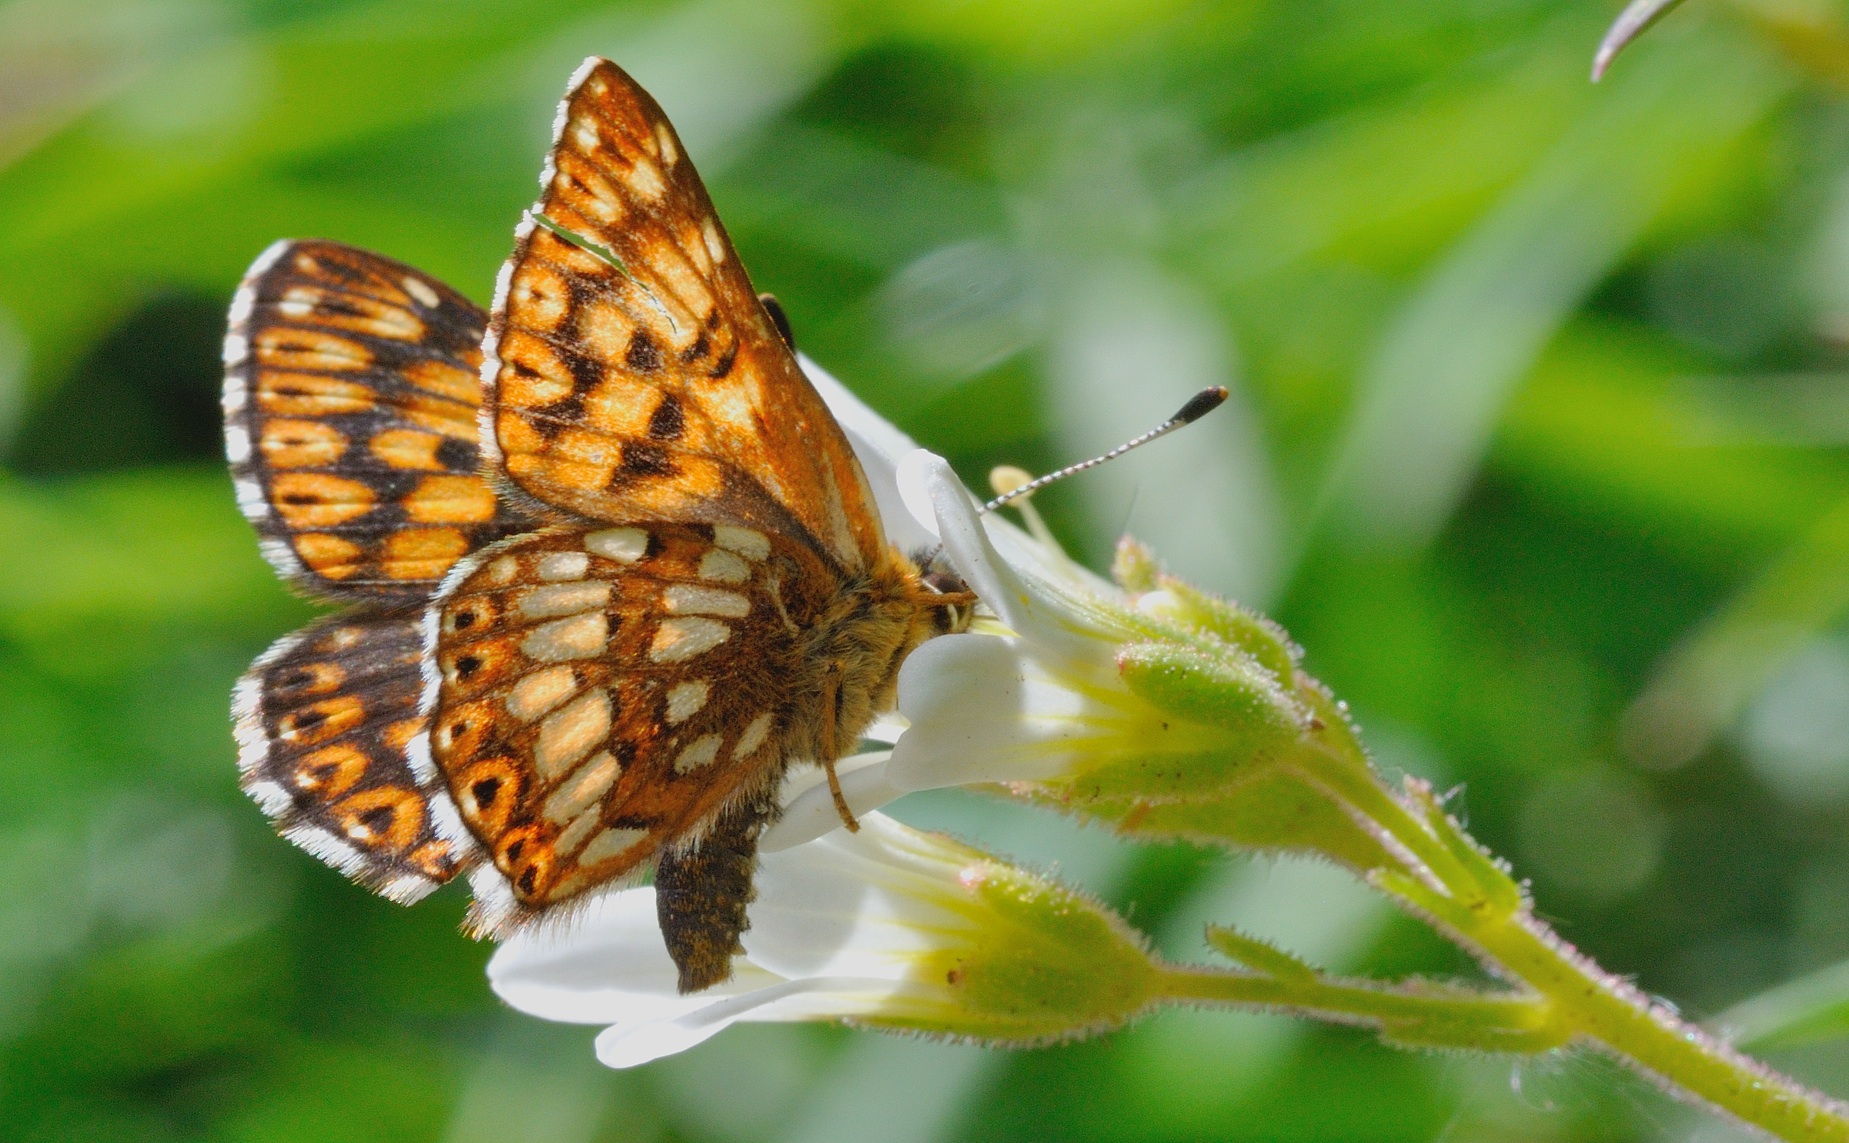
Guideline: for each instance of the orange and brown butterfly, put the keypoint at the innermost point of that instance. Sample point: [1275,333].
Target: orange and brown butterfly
[712,599]
[717,601]
[351,390]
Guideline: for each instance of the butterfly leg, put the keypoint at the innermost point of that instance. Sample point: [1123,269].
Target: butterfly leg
[831,750]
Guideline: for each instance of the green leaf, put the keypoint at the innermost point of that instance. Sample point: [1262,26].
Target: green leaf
[1807,1010]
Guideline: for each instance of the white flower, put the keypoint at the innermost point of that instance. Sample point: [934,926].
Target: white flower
[1033,694]
[888,927]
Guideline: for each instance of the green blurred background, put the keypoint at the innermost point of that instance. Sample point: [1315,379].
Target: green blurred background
[1540,445]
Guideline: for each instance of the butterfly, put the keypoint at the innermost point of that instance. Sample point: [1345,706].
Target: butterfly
[663,578]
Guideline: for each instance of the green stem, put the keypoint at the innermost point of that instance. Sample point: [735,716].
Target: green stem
[1433,1016]
[1581,999]
[1648,1037]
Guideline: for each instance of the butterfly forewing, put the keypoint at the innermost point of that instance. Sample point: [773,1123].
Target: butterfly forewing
[323,720]
[632,372]
[351,395]
[602,692]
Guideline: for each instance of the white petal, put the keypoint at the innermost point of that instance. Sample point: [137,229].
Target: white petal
[626,1045]
[860,905]
[809,807]
[605,963]
[880,446]
[1057,617]
[886,728]
[989,709]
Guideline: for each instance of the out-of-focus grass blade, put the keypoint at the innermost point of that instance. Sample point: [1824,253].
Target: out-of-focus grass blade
[1630,24]
[1603,429]
[1446,365]
[143,546]
[1802,1011]
[1705,682]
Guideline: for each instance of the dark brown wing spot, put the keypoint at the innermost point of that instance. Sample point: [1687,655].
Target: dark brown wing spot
[641,460]
[644,355]
[668,421]
[724,365]
[485,791]
[458,455]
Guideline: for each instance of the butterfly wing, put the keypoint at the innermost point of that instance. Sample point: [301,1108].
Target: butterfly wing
[351,393]
[323,719]
[603,693]
[632,373]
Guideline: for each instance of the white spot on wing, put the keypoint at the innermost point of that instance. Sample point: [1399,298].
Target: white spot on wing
[563,565]
[570,732]
[692,599]
[580,828]
[753,737]
[680,639]
[540,691]
[726,567]
[700,752]
[747,542]
[645,179]
[715,246]
[564,598]
[610,843]
[298,301]
[425,296]
[670,154]
[501,571]
[582,790]
[624,545]
[686,699]
[579,637]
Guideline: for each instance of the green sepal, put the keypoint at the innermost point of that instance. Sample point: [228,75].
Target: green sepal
[1047,964]
[1247,630]
[1230,691]
[1258,955]
[1495,892]
[1272,811]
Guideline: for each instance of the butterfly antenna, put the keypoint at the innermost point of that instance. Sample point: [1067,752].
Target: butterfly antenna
[1198,406]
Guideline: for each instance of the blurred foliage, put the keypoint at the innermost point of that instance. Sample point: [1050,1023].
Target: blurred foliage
[1542,405]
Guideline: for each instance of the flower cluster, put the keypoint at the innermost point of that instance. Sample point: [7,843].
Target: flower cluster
[1161,712]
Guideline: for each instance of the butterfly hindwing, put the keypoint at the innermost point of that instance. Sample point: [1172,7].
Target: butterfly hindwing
[351,395]
[323,719]
[602,693]
[632,372]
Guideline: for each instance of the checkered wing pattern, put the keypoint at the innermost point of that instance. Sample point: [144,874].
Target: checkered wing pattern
[323,719]
[603,694]
[351,397]
[632,372]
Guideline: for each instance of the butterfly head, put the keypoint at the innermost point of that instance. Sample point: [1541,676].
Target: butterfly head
[944,592]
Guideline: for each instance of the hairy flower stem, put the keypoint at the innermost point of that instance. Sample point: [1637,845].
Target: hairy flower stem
[1473,900]
[1610,1014]
[1429,1016]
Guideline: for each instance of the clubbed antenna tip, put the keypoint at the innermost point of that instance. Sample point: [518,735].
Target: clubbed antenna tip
[1198,406]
